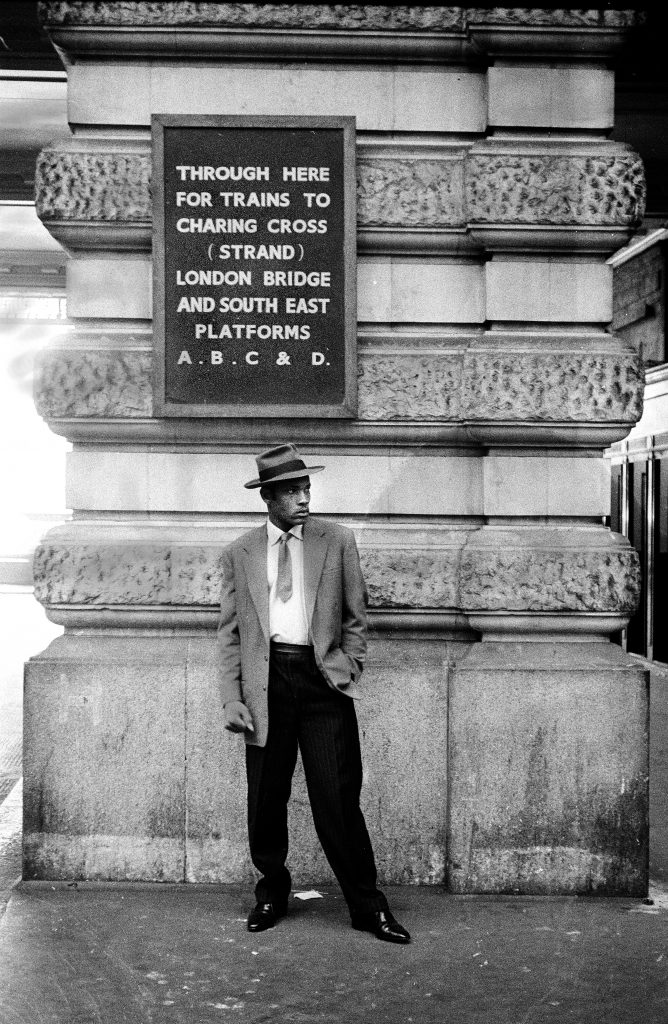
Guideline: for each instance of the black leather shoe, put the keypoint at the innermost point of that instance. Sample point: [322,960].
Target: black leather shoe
[383,926]
[264,915]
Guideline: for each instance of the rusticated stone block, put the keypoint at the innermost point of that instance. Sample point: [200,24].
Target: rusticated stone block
[505,575]
[107,383]
[93,186]
[552,386]
[410,193]
[398,387]
[411,579]
[478,386]
[539,579]
[189,575]
[549,189]
[560,17]
[344,17]
[115,187]
[595,190]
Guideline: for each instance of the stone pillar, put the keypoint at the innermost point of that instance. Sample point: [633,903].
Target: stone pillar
[505,742]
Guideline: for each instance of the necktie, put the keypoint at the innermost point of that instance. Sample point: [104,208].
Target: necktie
[284,579]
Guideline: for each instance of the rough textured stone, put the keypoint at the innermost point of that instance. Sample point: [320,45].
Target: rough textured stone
[324,16]
[411,579]
[112,187]
[552,386]
[546,189]
[109,383]
[559,17]
[410,193]
[189,575]
[539,579]
[346,17]
[523,385]
[595,190]
[406,387]
[93,186]
[510,577]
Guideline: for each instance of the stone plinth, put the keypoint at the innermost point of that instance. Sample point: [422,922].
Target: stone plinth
[548,770]
[124,784]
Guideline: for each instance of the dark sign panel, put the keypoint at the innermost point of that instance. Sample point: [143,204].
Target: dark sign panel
[254,266]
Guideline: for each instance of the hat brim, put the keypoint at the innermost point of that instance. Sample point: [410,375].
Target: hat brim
[296,474]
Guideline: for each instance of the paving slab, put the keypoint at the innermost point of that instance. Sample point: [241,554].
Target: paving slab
[143,954]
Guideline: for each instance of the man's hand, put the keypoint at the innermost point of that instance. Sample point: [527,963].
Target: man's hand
[237,717]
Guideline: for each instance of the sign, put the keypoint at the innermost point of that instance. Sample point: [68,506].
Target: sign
[254,266]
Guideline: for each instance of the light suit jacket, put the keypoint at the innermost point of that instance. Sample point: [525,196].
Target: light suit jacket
[335,607]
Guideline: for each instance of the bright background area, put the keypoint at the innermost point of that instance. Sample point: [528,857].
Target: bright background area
[32,458]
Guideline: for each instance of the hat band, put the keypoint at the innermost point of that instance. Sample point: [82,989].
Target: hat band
[285,467]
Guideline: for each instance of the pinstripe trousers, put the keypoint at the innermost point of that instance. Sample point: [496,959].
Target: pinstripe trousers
[305,713]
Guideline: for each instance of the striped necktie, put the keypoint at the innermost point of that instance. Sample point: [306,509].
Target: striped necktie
[284,579]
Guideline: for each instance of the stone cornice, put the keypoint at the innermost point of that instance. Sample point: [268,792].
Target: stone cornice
[566,200]
[257,31]
[317,31]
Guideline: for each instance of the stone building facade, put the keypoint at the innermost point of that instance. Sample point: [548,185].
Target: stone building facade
[505,738]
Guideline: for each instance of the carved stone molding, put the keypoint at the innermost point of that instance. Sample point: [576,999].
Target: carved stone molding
[585,571]
[258,31]
[473,386]
[598,190]
[314,31]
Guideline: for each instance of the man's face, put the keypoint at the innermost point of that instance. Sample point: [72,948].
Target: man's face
[288,502]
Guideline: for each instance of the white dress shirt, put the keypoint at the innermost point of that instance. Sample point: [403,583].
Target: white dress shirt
[288,623]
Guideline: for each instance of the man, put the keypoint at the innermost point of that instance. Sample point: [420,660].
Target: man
[292,641]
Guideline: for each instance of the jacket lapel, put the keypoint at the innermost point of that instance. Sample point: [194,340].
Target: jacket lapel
[256,575]
[315,549]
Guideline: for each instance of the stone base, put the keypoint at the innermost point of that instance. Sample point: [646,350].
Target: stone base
[130,776]
[548,770]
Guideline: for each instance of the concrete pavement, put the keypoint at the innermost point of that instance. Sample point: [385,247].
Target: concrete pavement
[141,954]
[147,954]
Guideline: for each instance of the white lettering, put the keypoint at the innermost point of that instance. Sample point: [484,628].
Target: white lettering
[188,172]
[297,227]
[306,174]
[321,198]
[193,198]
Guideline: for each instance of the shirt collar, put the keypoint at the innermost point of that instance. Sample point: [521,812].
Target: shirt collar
[274,534]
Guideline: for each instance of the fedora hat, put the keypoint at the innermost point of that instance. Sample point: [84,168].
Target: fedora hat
[281,463]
